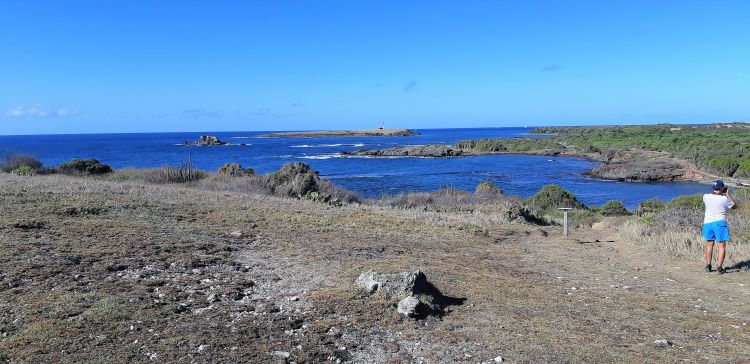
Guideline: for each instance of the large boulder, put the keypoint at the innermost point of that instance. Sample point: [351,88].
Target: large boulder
[393,285]
[409,292]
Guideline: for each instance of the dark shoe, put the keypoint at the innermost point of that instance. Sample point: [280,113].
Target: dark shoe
[720,270]
[708,268]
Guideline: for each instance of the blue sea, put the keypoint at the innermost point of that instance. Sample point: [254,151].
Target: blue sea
[370,177]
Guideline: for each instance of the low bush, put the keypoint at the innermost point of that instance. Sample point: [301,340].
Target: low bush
[16,161]
[487,187]
[614,208]
[24,171]
[553,196]
[84,167]
[183,174]
[650,206]
[236,170]
[690,202]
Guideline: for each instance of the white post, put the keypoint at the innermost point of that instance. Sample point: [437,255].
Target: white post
[565,220]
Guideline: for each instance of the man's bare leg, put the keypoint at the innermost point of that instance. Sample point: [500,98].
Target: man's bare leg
[720,254]
[709,254]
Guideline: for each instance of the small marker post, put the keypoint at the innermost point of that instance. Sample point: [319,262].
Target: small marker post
[565,219]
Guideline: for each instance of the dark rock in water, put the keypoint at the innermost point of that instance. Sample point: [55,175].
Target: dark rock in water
[206,140]
[433,151]
[656,169]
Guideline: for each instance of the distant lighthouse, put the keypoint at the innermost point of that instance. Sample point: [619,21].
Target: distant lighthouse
[382,125]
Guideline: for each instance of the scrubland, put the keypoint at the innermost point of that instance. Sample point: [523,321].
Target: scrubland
[122,267]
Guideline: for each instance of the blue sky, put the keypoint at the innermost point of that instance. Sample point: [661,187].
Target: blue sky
[142,66]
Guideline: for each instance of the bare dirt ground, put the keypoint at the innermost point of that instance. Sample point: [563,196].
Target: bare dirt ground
[96,271]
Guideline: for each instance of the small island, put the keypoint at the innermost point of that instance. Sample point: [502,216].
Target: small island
[342,133]
[206,140]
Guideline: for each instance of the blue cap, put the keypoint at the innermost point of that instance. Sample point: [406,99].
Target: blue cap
[719,184]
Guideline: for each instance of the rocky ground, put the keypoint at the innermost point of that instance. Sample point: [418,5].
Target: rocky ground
[97,271]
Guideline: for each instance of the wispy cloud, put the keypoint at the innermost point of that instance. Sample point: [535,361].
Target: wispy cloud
[296,104]
[201,113]
[260,112]
[409,86]
[38,110]
[552,68]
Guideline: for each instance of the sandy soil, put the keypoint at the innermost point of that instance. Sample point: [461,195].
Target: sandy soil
[95,271]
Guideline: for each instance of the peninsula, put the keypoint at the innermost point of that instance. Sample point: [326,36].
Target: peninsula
[650,153]
[342,133]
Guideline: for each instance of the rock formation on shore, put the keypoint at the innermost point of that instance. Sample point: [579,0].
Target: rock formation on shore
[432,151]
[649,170]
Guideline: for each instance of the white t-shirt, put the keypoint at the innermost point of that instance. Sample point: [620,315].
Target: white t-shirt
[716,207]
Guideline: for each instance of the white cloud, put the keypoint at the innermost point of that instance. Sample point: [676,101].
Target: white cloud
[38,110]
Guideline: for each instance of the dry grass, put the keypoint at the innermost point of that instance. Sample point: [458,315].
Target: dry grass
[83,259]
[677,232]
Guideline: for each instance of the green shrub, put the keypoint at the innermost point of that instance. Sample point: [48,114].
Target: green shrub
[236,170]
[614,208]
[487,187]
[743,170]
[23,171]
[650,206]
[691,202]
[15,161]
[84,167]
[726,166]
[553,196]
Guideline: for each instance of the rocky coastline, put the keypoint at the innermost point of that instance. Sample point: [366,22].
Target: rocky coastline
[627,165]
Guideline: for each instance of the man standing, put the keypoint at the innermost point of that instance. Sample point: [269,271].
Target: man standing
[715,227]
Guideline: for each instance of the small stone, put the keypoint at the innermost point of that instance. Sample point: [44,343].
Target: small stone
[409,306]
[212,298]
[281,354]
[498,359]
[662,343]
[203,348]
[236,234]
[294,298]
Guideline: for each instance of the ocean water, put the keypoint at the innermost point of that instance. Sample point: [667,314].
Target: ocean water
[370,177]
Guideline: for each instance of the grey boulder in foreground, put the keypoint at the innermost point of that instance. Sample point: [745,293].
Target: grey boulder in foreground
[417,298]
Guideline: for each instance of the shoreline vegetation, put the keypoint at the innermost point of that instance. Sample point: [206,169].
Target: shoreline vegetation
[342,133]
[662,152]
[175,264]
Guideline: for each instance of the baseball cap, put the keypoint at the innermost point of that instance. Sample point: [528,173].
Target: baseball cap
[719,184]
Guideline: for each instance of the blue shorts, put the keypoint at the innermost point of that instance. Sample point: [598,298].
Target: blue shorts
[718,230]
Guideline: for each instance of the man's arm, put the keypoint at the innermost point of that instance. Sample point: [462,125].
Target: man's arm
[730,201]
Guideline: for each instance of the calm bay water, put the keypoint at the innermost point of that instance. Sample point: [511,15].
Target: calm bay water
[370,177]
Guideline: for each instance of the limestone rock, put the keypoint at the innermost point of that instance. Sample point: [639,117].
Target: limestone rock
[394,285]
[409,306]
